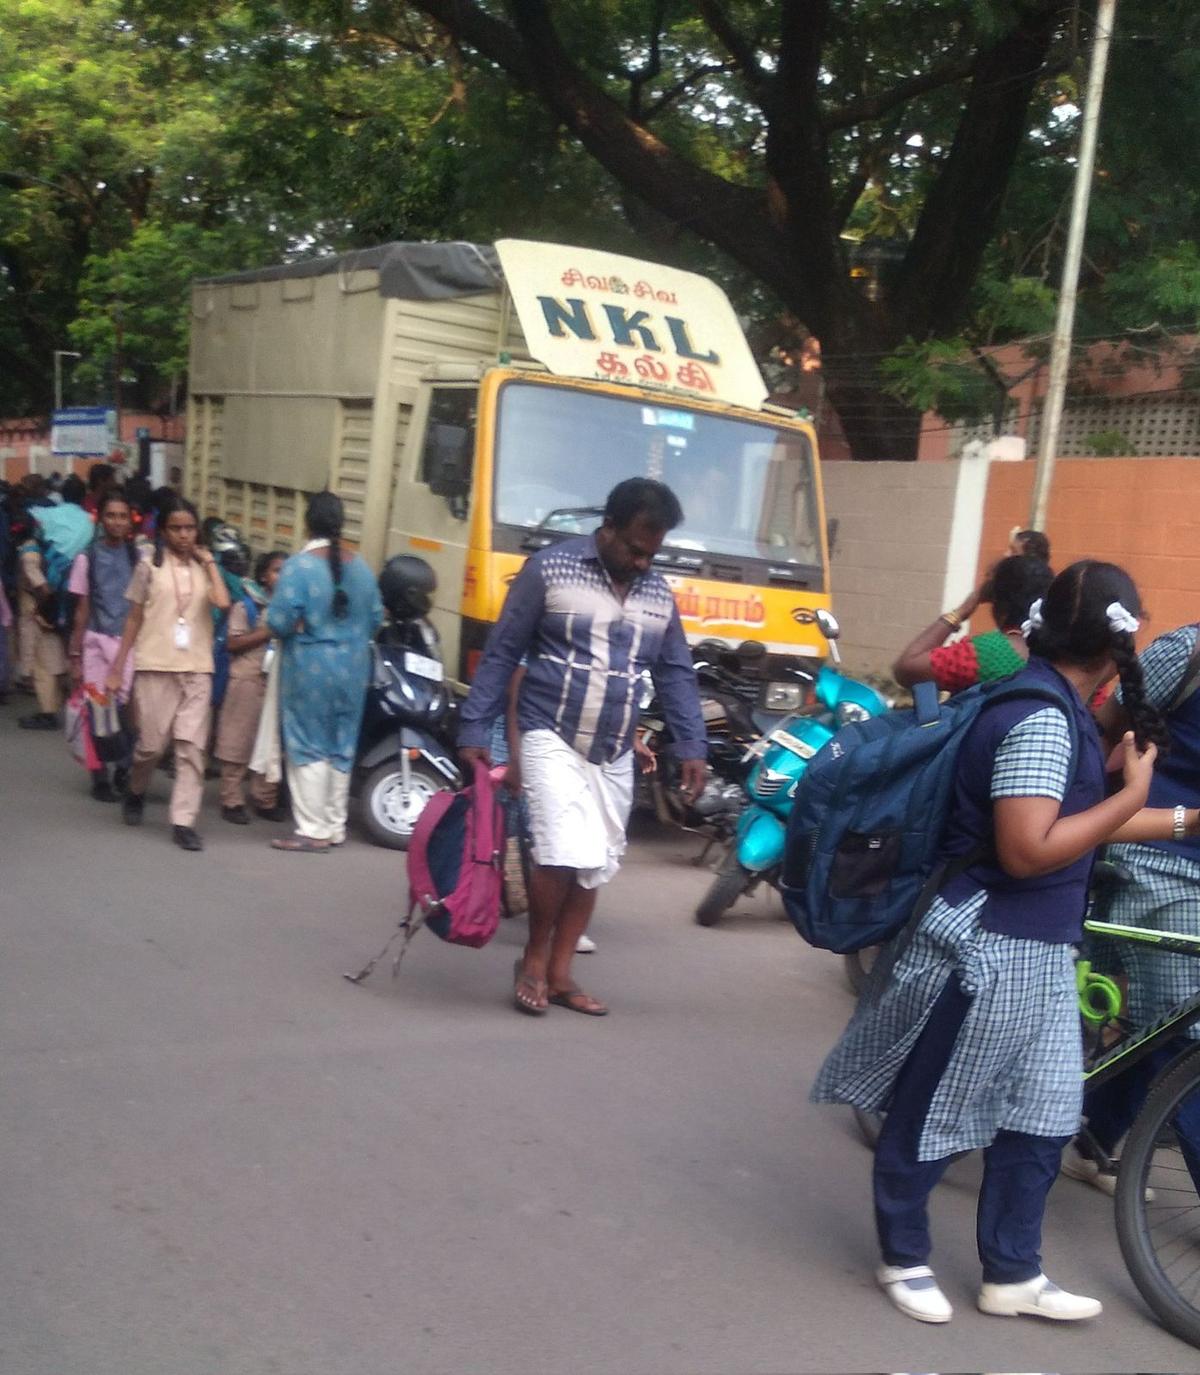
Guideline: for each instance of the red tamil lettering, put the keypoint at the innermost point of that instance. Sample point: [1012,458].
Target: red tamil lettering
[611,365]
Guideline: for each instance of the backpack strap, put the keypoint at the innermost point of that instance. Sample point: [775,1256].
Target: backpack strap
[1190,680]
[927,706]
[484,821]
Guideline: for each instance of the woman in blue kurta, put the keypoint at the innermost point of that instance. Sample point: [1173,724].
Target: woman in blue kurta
[325,610]
[973,1041]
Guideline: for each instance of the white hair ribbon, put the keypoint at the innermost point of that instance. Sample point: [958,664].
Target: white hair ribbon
[1035,621]
[1121,620]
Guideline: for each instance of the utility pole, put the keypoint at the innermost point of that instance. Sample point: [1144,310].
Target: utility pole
[59,355]
[1060,353]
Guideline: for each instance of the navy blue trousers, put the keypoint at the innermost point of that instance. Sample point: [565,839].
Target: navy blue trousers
[1018,1170]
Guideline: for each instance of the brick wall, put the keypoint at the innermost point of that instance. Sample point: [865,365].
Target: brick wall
[889,565]
[1143,513]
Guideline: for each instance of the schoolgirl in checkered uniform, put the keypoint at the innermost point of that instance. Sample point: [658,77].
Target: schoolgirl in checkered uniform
[973,1040]
[1164,894]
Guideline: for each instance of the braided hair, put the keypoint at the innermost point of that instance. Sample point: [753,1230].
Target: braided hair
[169,505]
[1076,628]
[325,517]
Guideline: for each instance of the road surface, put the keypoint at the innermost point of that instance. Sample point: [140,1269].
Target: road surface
[219,1157]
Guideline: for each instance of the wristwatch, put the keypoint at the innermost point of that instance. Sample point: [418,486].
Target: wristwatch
[1179,823]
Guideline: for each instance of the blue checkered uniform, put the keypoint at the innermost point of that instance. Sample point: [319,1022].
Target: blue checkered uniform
[1165,892]
[1017,1061]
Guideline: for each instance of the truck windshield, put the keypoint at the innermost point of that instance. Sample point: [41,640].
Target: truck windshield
[746,486]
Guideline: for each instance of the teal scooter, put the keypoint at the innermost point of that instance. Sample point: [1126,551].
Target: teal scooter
[781,757]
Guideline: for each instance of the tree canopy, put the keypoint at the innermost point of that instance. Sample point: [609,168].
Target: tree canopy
[891,178]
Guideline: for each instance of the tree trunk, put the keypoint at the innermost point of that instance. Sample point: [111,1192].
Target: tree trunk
[876,425]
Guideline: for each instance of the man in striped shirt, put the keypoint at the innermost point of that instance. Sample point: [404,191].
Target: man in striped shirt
[589,615]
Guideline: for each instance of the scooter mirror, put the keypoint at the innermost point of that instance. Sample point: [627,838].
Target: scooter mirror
[827,624]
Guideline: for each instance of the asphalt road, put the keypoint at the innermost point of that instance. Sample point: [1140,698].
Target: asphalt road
[217,1156]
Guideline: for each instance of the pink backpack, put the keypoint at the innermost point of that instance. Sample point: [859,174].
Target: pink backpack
[455,869]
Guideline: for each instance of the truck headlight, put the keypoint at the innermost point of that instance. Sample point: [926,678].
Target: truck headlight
[783,696]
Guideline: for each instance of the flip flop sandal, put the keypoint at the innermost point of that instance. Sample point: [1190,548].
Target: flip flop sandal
[300,845]
[523,981]
[576,1000]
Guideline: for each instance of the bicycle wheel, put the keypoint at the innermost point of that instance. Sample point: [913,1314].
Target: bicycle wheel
[1160,1239]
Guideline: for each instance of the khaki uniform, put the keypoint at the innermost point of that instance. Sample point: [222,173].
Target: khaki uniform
[43,656]
[172,688]
[237,725]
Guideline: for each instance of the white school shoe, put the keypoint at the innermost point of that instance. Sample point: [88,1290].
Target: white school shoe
[1037,1298]
[914,1290]
[1076,1165]
[585,945]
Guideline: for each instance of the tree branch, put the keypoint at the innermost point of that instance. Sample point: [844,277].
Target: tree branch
[653,66]
[494,39]
[681,87]
[960,211]
[730,216]
[866,109]
[737,46]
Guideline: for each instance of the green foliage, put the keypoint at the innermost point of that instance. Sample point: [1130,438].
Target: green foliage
[940,375]
[146,142]
[1110,444]
[134,300]
[1163,288]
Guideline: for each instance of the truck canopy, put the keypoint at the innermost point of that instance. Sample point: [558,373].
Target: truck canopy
[407,271]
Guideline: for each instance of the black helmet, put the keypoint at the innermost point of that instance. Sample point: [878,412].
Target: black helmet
[228,548]
[407,585]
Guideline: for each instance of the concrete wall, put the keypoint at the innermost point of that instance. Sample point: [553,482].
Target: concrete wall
[907,546]
[1143,513]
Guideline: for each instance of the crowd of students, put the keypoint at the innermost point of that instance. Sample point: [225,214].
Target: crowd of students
[969,1038]
[120,600]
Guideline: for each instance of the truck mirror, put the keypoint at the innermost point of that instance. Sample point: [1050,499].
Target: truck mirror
[448,463]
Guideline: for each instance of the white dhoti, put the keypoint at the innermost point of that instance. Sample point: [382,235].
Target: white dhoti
[578,810]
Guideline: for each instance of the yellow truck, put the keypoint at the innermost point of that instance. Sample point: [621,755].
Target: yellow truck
[472,403]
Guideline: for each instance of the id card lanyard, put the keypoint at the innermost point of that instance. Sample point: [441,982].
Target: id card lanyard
[183,631]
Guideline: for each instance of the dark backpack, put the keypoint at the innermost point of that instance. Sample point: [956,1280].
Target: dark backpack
[870,811]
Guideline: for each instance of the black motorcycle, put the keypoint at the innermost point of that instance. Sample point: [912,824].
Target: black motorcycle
[729,691]
[405,746]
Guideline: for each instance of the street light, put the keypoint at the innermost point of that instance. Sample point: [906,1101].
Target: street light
[59,355]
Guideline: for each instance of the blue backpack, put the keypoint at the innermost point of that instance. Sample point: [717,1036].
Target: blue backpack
[221,655]
[62,534]
[866,828]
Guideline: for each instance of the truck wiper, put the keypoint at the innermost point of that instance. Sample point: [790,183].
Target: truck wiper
[541,535]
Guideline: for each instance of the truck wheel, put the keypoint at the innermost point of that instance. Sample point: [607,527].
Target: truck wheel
[387,815]
[729,884]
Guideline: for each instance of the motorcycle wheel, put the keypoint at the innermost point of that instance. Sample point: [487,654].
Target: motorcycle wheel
[729,884]
[387,816]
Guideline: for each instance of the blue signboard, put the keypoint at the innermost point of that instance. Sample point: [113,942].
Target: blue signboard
[88,431]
